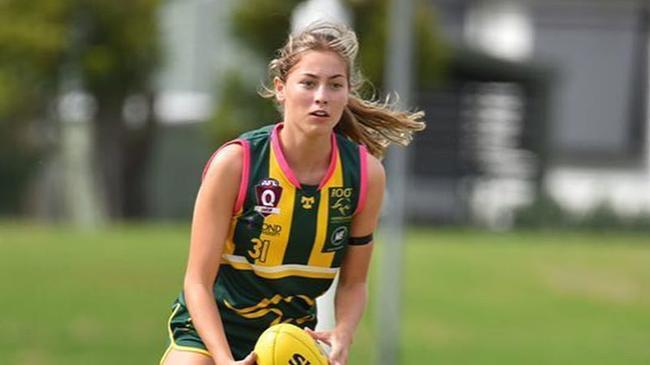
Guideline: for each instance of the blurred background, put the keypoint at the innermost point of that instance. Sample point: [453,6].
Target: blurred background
[527,198]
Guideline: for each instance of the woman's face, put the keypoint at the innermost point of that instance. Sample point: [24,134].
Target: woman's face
[315,92]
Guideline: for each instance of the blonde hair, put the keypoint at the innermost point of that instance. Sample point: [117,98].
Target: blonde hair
[372,123]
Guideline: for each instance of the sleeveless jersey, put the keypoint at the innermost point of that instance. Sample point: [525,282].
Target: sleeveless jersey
[287,240]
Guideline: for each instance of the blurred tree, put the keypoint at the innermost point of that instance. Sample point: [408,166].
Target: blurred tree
[262,27]
[32,40]
[118,57]
[431,54]
[112,46]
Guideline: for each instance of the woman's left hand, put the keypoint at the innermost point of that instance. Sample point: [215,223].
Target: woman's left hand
[339,345]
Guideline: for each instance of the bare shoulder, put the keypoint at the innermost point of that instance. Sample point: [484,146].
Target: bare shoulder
[376,175]
[227,163]
[221,180]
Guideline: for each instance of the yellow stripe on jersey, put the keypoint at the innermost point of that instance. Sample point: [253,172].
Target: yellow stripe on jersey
[278,244]
[262,308]
[317,257]
[264,303]
[280,271]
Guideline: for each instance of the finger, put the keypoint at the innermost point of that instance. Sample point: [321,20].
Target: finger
[325,347]
[321,336]
[311,333]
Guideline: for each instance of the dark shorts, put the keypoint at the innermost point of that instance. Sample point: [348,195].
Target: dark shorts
[181,334]
[184,337]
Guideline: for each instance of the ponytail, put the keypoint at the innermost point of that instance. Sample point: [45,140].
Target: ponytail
[376,125]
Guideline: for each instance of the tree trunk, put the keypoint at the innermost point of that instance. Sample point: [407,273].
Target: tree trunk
[110,137]
[138,152]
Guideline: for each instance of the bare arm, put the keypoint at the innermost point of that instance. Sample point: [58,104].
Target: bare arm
[210,225]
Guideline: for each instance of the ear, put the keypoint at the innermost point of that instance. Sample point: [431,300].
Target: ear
[279,89]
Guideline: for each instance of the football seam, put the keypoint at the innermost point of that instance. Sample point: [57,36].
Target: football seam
[302,342]
[275,340]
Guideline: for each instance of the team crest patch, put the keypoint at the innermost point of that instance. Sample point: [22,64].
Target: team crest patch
[268,193]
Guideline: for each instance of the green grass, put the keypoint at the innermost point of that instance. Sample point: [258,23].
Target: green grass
[71,297]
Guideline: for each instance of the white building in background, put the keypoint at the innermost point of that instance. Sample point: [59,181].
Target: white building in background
[598,122]
[197,51]
[311,11]
[501,29]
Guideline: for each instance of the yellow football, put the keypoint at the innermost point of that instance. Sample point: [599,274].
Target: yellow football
[286,344]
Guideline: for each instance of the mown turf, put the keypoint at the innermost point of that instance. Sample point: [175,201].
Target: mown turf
[71,297]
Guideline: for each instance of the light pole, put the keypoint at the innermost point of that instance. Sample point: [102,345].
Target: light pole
[398,78]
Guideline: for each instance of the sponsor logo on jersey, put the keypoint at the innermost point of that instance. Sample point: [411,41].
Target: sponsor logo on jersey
[341,202]
[268,193]
[307,202]
[339,236]
[271,229]
[343,205]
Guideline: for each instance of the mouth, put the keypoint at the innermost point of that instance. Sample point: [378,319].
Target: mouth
[320,113]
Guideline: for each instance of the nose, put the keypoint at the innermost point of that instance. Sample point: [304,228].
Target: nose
[321,97]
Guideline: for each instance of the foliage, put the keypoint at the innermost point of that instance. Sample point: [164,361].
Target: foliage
[120,45]
[232,117]
[543,212]
[371,23]
[32,39]
[546,213]
[108,47]
[263,25]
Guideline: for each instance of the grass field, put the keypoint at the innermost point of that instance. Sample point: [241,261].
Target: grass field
[71,297]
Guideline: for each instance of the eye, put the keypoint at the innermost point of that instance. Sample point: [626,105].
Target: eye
[307,83]
[336,85]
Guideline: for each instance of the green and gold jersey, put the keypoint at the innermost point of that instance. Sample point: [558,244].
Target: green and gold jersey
[287,240]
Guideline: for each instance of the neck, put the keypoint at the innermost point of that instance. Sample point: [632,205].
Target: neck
[308,156]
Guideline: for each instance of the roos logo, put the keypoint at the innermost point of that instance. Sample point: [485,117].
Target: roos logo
[341,200]
[268,193]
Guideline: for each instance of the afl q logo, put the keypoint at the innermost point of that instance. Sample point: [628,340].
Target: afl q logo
[268,198]
[268,193]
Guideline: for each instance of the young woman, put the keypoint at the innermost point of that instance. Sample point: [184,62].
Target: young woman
[283,209]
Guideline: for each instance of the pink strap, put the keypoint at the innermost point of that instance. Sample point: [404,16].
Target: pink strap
[334,158]
[243,185]
[277,149]
[363,181]
[279,155]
